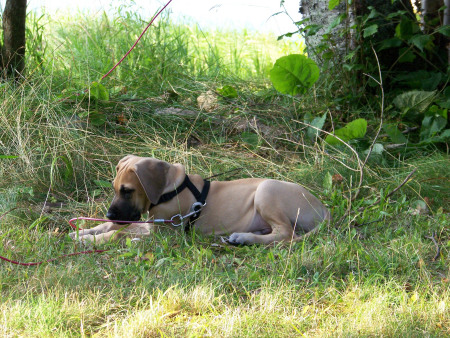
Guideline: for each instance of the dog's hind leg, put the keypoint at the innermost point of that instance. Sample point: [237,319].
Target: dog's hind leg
[282,230]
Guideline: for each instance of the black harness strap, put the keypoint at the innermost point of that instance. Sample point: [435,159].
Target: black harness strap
[168,196]
[199,196]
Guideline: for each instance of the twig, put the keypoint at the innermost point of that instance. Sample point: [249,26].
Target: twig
[394,145]
[7,212]
[438,250]
[380,83]
[402,184]
[348,212]
[392,192]
[406,131]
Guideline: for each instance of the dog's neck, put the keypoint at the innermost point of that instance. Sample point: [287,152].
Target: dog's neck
[178,179]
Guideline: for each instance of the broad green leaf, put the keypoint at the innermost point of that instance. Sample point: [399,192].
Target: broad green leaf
[334,24]
[421,41]
[395,135]
[98,91]
[371,30]
[434,110]
[301,22]
[420,79]
[228,92]
[444,101]
[443,137]
[406,55]
[395,14]
[390,43]
[373,14]
[353,130]
[294,74]
[444,30]
[286,35]
[311,29]
[431,126]
[317,122]
[416,100]
[332,4]
[406,29]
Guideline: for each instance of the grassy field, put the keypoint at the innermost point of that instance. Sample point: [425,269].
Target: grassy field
[375,274]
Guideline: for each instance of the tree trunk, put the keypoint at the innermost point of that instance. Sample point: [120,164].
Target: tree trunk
[432,18]
[447,22]
[338,37]
[13,49]
[341,38]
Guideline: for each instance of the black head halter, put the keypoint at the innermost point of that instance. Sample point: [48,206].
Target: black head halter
[199,196]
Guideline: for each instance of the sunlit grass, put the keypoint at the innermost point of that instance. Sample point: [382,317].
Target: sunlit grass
[377,279]
[81,48]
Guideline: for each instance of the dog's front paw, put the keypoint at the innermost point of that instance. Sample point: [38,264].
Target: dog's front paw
[83,239]
[240,238]
[77,234]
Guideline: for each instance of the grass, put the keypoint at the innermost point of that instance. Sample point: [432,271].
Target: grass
[377,279]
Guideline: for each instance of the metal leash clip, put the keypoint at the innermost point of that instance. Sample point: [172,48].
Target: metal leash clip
[195,208]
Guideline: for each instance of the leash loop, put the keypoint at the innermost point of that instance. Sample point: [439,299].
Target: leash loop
[178,219]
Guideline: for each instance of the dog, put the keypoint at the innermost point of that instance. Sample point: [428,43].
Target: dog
[250,210]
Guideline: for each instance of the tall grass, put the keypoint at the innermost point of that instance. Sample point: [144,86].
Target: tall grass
[378,279]
[81,48]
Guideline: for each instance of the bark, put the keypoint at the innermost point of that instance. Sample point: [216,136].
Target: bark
[343,38]
[447,13]
[447,22]
[339,39]
[13,49]
[430,10]
[432,18]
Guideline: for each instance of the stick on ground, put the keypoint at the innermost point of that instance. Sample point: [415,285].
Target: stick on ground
[438,250]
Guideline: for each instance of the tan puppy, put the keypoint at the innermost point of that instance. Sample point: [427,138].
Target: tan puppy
[252,210]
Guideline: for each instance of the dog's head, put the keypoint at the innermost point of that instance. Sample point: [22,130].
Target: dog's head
[138,183]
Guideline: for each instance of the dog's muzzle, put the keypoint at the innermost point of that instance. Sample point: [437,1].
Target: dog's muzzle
[123,211]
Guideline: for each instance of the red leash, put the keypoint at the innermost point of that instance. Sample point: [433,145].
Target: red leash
[140,36]
[88,218]
[74,226]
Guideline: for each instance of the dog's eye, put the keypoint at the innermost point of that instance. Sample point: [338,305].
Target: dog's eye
[126,192]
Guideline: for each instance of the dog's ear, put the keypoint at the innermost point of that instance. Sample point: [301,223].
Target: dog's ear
[152,175]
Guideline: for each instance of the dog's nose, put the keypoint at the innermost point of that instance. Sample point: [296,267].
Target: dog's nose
[110,215]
